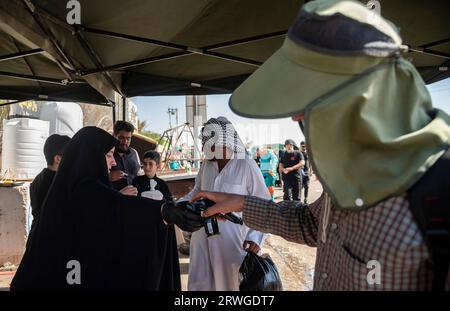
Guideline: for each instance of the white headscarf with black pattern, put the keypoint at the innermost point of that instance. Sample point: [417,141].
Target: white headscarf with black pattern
[220,132]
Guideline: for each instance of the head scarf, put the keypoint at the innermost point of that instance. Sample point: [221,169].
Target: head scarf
[220,132]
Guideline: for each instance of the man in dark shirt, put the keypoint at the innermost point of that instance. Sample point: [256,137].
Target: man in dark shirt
[53,150]
[258,157]
[306,171]
[127,159]
[290,165]
[279,182]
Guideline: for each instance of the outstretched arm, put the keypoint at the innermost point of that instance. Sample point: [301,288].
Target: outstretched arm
[292,220]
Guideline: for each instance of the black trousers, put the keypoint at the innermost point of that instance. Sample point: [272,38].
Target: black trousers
[292,185]
[305,185]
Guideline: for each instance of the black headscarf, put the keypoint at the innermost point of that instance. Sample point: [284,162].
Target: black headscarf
[120,241]
[84,157]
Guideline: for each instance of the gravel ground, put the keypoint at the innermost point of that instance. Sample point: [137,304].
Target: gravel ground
[294,261]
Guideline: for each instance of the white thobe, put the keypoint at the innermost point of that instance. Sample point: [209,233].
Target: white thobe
[215,261]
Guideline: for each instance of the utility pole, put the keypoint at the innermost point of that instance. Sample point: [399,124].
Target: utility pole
[196,116]
[171,112]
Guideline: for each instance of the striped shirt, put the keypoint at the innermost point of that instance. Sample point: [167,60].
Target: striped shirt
[380,248]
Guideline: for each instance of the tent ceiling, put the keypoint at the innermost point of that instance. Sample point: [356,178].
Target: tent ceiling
[36,76]
[172,47]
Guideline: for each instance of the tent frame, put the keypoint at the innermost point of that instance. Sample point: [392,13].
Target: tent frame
[70,70]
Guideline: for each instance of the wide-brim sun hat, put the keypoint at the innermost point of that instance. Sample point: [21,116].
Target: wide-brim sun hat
[329,43]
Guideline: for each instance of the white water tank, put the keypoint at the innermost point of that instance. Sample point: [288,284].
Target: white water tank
[64,118]
[23,144]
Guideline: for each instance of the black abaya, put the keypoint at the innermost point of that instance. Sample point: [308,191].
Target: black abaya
[117,239]
[171,268]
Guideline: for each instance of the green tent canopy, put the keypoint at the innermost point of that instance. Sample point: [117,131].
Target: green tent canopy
[173,47]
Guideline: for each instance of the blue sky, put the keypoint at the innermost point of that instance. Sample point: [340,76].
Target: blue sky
[154,110]
[440,93]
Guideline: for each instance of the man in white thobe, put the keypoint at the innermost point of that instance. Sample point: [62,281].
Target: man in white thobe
[215,261]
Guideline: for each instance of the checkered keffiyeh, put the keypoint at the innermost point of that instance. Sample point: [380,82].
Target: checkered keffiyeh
[221,132]
[348,241]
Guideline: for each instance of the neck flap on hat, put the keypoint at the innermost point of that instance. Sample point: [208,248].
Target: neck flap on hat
[376,135]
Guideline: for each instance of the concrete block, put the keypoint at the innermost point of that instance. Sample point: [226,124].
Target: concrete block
[14,209]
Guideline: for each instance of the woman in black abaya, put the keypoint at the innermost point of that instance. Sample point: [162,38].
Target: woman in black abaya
[120,242]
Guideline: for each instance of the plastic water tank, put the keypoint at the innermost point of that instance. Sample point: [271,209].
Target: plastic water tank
[23,144]
[64,118]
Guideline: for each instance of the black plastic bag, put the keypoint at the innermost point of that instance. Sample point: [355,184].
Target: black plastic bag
[259,273]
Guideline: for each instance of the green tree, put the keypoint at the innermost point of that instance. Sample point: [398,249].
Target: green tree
[4,110]
[155,136]
[141,126]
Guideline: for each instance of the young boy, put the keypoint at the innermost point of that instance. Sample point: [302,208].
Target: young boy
[152,187]
[53,150]
[149,185]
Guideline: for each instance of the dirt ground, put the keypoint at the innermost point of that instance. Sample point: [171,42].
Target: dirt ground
[295,262]
[5,279]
